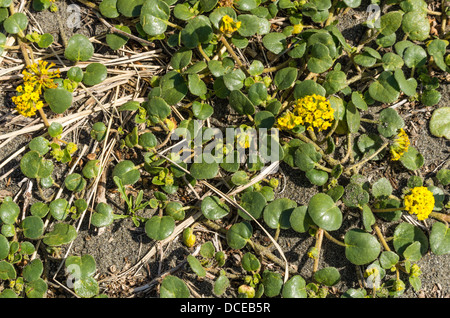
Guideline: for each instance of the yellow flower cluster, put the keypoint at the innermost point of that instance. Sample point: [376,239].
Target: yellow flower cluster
[36,77]
[228,25]
[311,111]
[420,202]
[399,146]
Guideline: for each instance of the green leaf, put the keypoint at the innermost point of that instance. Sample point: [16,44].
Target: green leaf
[4,247]
[45,40]
[440,239]
[257,93]
[416,26]
[388,259]
[254,203]
[103,216]
[317,177]
[328,276]
[443,176]
[204,167]
[33,270]
[181,59]
[213,209]
[385,89]
[274,42]
[59,99]
[240,103]
[440,122]
[306,156]
[33,227]
[408,86]
[368,218]
[7,271]
[234,80]
[116,41]
[36,288]
[39,209]
[308,87]
[392,61]
[415,56]
[412,252]
[369,143]
[207,250]
[323,211]
[16,23]
[59,208]
[430,97]
[390,122]
[94,74]
[108,8]
[62,233]
[196,266]
[277,213]
[390,22]
[159,228]
[361,247]
[173,87]
[86,287]
[9,211]
[79,48]
[353,118]
[295,287]
[272,283]
[220,285]
[320,59]
[173,287]
[335,81]
[127,172]
[412,159]
[264,119]
[355,196]
[196,85]
[382,188]
[75,182]
[33,165]
[256,68]
[130,8]
[406,234]
[285,77]
[300,219]
[250,262]
[197,31]
[238,235]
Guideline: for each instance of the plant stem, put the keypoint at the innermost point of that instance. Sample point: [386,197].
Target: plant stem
[233,54]
[367,158]
[387,210]
[278,67]
[318,246]
[381,237]
[200,49]
[441,217]
[370,121]
[44,117]
[323,168]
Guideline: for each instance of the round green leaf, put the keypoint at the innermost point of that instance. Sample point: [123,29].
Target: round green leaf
[173,287]
[391,122]
[388,259]
[98,131]
[361,247]
[241,103]
[412,159]
[440,122]
[127,172]
[175,210]
[86,287]
[440,239]
[213,209]
[159,228]
[392,61]
[75,182]
[264,119]
[385,89]
[238,235]
[108,8]
[205,167]
[272,283]
[254,203]
[116,41]
[79,48]
[39,209]
[7,271]
[59,99]
[33,227]
[415,56]
[130,8]
[257,93]
[33,165]
[408,86]
[277,213]
[198,30]
[285,77]
[390,22]
[33,270]
[416,26]
[173,87]
[327,276]
[16,23]
[36,288]
[221,284]
[250,263]
[308,87]
[317,177]
[103,216]
[9,211]
[382,188]
[323,211]
[154,14]
[300,219]
[94,74]
[430,97]
[62,233]
[59,208]
[274,42]
[295,287]
[406,234]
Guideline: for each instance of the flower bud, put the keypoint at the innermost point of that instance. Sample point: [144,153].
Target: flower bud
[246,291]
[188,237]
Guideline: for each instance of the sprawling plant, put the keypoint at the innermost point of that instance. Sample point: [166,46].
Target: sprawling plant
[304,81]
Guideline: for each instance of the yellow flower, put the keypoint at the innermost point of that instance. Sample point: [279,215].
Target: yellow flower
[315,112]
[228,25]
[399,146]
[244,136]
[288,121]
[36,77]
[420,202]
